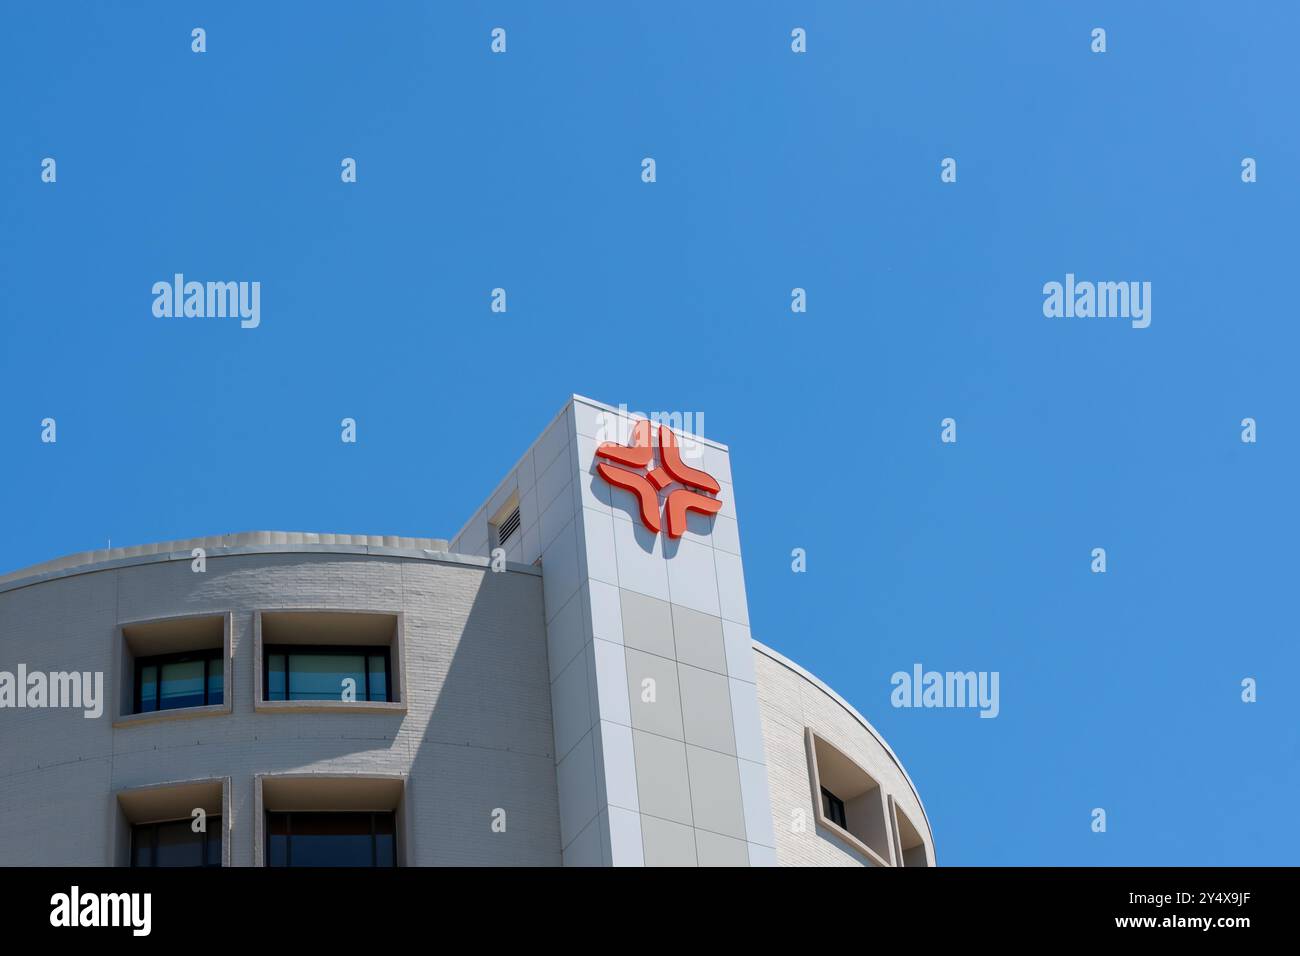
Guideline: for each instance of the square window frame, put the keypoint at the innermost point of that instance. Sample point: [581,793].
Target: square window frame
[161,802]
[128,647]
[396,647]
[308,792]
[897,816]
[161,660]
[856,843]
[366,651]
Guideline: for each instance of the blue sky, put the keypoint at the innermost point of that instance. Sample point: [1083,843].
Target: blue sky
[775,170]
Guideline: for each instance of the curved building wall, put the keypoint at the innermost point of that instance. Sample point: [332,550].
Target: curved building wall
[474,734]
[792,702]
[601,702]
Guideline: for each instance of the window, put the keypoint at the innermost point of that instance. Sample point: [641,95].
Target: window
[174,843]
[172,668]
[909,847]
[172,681]
[305,672]
[833,807]
[849,802]
[331,839]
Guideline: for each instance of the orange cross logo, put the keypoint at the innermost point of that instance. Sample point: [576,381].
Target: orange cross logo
[640,454]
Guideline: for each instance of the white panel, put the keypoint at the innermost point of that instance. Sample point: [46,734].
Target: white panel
[565,636]
[501,496]
[595,490]
[570,706]
[529,513]
[560,570]
[527,474]
[585,850]
[725,534]
[554,517]
[620,766]
[606,612]
[531,546]
[746,722]
[758,804]
[625,838]
[761,855]
[740,651]
[692,580]
[550,445]
[641,566]
[553,481]
[598,539]
[594,422]
[575,779]
[731,587]
[728,497]
[717,463]
[611,682]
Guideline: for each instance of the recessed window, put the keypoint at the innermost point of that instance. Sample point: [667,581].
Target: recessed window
[172,681]
[850,803]
[833,807]
[910,846]
[326,673]
[331,839]
[318,661]
[174,843]
[172,668]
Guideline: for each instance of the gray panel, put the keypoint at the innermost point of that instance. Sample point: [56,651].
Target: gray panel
[706,709]
[715,792]
[699,639]
[647,623]
[661,780]
[715,850]
[667,844]
[663,715]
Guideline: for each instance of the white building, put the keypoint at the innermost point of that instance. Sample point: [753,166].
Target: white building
[572,679]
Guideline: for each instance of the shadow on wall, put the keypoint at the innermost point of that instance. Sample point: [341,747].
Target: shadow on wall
[484,770]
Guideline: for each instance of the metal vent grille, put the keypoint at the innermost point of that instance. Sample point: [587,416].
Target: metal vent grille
[508,527]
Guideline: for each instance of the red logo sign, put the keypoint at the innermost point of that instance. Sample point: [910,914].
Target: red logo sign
[646,487]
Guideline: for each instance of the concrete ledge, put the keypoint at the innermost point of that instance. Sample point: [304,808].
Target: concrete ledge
[179,713]
[87,562]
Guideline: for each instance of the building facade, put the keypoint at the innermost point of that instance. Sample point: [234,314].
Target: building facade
[570,680]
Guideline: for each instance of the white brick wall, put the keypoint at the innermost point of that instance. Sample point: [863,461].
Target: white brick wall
[476,735]
[788,702]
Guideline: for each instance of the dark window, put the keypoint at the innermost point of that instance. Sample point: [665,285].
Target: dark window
[833,808]
[318,673]
[331,839]
[174,843]
[191,679]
